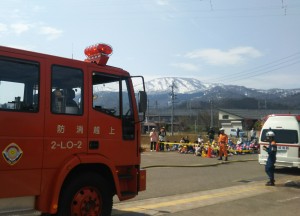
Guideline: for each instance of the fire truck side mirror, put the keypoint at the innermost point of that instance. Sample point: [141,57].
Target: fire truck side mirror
[142,101]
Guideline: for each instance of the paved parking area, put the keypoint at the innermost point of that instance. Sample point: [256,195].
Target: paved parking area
[160,159]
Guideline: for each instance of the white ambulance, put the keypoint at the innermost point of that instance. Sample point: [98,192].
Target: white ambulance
[287,132]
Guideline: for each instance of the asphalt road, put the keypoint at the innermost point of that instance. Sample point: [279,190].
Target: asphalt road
[183,184]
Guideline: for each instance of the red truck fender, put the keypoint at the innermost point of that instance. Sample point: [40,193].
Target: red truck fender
[53,198]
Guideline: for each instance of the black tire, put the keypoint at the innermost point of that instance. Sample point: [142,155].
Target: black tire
[87,194]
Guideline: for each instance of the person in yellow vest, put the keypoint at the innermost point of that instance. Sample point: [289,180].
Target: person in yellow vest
[222,141]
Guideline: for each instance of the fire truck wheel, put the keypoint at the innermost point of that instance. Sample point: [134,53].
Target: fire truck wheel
[87,194]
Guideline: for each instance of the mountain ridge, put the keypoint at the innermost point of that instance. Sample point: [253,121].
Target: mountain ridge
[194,90]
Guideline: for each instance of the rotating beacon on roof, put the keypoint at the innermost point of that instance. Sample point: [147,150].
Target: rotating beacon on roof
[69,133]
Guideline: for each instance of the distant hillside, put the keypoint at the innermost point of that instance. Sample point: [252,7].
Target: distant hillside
[196,93]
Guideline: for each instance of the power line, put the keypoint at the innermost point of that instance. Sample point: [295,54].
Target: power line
[264,72]
[258,69]
[266,68]
[186,9]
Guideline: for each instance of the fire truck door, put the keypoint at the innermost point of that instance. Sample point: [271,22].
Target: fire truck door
[66,124]
[110,104]
[21,129]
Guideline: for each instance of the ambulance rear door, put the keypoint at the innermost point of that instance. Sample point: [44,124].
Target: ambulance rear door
[286,129]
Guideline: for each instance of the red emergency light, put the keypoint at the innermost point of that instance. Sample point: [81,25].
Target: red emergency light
[98,53]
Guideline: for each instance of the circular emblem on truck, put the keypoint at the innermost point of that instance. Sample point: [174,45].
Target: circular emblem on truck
[12,153]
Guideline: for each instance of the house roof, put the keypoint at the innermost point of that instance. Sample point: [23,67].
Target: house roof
[256,113]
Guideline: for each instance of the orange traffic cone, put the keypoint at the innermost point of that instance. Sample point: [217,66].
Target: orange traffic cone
[209,152]
[157,146]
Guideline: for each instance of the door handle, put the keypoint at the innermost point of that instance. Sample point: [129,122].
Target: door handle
[94,144]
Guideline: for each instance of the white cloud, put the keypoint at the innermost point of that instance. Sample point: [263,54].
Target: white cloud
[162,2]
[19,28]
[231,57]
[50,32]
[15,14]
[3,27]
[186,66]
[37,8]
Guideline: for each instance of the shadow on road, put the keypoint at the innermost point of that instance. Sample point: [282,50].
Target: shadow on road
[288,171]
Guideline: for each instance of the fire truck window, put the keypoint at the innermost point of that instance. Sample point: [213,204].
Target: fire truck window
[126,102]
[66,90]
[111,96]
[19,85]
[128,123]
[106,94]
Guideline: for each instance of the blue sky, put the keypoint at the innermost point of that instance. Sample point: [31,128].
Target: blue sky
[253,43]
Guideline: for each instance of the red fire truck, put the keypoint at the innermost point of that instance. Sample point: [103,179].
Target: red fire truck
[69,133]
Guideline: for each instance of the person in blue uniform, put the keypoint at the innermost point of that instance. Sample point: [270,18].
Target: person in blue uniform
[272,150]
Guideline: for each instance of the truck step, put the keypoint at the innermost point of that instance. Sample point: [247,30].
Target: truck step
[21,213]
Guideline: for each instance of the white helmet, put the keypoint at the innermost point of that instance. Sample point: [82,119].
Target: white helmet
[221,129]
[270,134]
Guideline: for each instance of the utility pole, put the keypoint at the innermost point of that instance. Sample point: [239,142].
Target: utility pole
[211,115]
[156,111]
[148,115]
[173,97]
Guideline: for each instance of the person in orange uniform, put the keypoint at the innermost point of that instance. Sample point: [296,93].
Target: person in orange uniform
[222,141]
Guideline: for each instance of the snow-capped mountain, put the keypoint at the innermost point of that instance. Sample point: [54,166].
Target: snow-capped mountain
[190,89]
[181,85]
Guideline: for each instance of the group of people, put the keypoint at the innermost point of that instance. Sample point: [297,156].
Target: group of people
[222,142]
[160,138]
[157,142]
[271,149]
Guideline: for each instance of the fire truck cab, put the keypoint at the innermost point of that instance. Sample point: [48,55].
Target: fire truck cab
[69,133]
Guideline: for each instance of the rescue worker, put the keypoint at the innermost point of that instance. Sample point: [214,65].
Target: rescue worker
[211,135]
[222,141]
[272,150]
